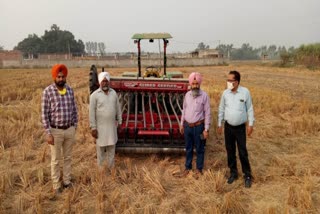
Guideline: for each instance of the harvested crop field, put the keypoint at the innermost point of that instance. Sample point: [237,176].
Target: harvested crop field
[284,152]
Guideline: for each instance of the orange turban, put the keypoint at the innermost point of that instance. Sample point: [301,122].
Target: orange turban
[59,68]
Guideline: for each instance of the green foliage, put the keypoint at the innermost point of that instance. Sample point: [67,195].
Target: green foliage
[246,52]
[53,41]
[225,49]
[308,55]
[31,45]
[202,46]
[286,58]
[96,48]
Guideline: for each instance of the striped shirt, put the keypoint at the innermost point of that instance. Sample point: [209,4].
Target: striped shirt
[196,109]
[58,110]
[236,108]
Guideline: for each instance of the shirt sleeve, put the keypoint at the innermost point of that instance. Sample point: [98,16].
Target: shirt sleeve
[92,111]
[221,110]
[74,111]
[250,111]
[119,115]
[183,109]
[45,106]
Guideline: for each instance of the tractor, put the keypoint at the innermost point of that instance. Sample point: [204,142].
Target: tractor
[151,104]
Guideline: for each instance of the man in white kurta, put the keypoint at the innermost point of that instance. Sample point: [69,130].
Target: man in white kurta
[105,116]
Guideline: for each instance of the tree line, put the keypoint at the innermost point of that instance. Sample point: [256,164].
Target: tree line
[57,41]
[60,41]
[54,40]
[305,55]
[247,52]
[308,55]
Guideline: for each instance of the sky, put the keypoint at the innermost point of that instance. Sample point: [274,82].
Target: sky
[257,22]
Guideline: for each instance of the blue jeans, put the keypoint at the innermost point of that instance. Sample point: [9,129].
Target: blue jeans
[192,138]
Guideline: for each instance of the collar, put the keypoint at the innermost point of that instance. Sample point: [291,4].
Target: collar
[237,91]
[100,90]
[56,88]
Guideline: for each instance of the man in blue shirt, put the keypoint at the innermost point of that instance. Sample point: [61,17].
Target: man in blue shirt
[236,110]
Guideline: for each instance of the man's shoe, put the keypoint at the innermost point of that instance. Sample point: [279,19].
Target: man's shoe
[68,186]
[58,191]
[197,174]
[184,173]
[232,178]
[247,182]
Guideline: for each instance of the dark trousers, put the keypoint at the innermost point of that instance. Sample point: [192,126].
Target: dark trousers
[236,135]
[192,138]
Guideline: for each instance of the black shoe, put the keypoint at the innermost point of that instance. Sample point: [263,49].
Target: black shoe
[247,182]
[232,178]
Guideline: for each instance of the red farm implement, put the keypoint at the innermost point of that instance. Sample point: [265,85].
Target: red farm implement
[151,105]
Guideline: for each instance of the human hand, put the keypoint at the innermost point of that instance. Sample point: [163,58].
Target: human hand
[181,130]
[219,130]
[50,139]
[249,130]
[205,134]
[94,133]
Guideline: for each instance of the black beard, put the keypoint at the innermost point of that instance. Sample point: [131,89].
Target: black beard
[60,84]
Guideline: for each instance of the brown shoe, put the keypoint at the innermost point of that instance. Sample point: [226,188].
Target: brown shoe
[197,174]
[55,194]
[185,173]
[58,191]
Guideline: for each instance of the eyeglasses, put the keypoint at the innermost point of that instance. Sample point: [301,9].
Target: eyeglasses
[231,80]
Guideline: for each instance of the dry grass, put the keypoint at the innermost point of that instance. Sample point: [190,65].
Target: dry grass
[284,152]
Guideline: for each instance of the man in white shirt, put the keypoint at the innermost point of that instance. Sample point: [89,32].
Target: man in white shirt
[236,110]
[105,116]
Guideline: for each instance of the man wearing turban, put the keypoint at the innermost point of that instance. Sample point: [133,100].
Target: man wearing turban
[105,116]
[59,118]
[195,123]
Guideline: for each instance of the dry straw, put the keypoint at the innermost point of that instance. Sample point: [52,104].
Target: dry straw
[284,152]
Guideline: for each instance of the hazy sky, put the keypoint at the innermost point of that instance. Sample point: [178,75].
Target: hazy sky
[258,22]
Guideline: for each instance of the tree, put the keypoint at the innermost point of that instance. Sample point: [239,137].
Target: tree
[53,41]
[246,52]
[262,51]
[225,49]
[1,48]
[58,41]
[202,46]
[95,48]
[89,48]
[291,49]
[102,48]
[272,51]
[30,46]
